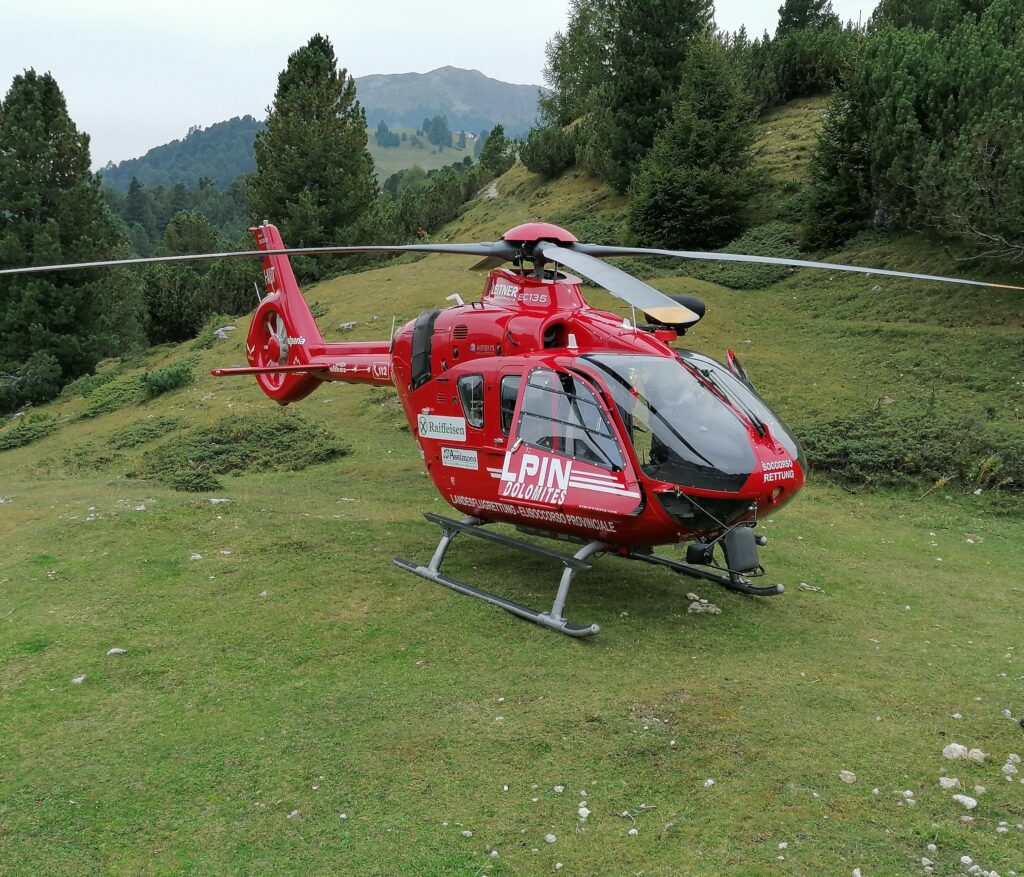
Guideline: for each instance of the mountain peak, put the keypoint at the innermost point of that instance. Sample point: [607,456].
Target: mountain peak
[470,100]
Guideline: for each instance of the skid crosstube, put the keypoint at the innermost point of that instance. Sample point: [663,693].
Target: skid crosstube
[572,564]
[733,581]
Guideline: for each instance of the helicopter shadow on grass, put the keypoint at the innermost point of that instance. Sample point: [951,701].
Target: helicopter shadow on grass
[612,591]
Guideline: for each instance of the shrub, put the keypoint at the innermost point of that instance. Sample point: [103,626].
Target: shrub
[548,151]
[31,429]
[897,447]
[115,395]
[84,385]
[774,239]
[163,380]
[206,337]
[262,441]
[144,431]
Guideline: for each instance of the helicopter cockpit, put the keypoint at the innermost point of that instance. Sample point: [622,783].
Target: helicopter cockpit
[682,418]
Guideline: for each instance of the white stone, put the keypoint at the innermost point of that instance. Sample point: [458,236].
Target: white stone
[1002,829]
[693,598]
[966,820]
[195,556]
[494,854]
[908,794]
[120,651]
[949,782]
[632,832]
[875,791]
[559,866]
[856,872]
[293,814]
[848,776]
[1007,714]
[467,833]
[559,789]
[504,788]
[954,751]
[708,784]
[1009,768]
[550,838]
[1013,758]
[78,680]
[926,862]
[783,845]
[957,716]
[977,756]
[932,848]
[965,800]
[966,861]
[979,790]
[584,812]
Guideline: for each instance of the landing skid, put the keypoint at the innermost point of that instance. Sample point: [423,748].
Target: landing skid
[554,619]
[733,581]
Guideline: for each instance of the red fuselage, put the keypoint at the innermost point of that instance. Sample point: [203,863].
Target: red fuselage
[532,408]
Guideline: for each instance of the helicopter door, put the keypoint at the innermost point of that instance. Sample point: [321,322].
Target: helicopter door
[564,451]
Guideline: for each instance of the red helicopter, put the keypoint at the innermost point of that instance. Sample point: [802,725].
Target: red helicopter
[533,409]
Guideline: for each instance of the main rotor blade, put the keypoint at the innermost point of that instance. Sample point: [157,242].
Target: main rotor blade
[618,283]
[604,252]
[498,249]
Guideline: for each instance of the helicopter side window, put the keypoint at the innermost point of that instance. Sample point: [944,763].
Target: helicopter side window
[471,393]
[509,394]
[560,413]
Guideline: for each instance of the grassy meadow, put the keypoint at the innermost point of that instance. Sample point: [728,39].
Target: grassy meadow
[289,702]
[390,160]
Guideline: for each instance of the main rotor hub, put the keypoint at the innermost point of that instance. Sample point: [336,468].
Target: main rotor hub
[531,232]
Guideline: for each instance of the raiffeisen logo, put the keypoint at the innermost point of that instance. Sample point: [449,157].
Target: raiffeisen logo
[540,479]
[448,428]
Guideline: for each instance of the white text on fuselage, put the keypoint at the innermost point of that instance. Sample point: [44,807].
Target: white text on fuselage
[513,293]
[540,479]
[777,470]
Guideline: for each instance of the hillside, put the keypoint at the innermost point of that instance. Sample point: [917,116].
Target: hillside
[470,100]
[222,152]
[290,702]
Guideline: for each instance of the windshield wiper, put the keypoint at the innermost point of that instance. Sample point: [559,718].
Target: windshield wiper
[709,378]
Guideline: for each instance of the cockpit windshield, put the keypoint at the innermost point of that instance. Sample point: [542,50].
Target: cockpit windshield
[746,398]
[682,430]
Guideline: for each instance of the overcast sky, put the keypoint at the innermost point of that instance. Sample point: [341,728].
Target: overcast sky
[137,75]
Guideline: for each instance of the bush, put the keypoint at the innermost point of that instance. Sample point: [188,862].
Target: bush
[897,447]
[774,239]
[163,380]
[85,385]
[144,431]
[115,395]
[31,429]
[548,151]
[263,441]
[206,337]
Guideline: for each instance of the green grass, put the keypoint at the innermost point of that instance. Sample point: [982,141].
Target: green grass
[294,668]
[388,161]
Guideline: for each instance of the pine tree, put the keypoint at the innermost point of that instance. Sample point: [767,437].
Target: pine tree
[693,188]
[645,44]
[796,15]
[314,176]
[55,327]
[498,153]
